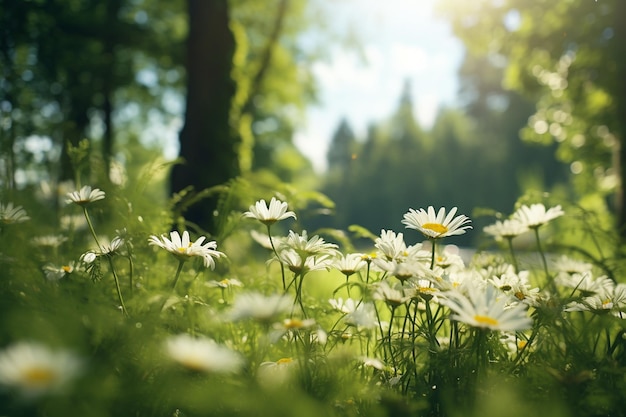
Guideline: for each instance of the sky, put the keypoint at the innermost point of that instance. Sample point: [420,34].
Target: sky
[400,40]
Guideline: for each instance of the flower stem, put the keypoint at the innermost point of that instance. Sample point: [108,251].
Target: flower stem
[509,240]
[177,276]
[544,262]
[432,256]
[91,229]
[117,286]
[282,267]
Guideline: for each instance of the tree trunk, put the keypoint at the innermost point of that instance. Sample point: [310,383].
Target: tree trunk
[207,143]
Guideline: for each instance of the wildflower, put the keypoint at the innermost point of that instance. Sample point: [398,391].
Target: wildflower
[345,306]
[84,196]
[276,211]
[35,370]
[449,260]
[349,264]
[294,262]
[536,215]
[608,298]
[423,288]
[393,296]
[391,245]
[306,247]
[372,363]
[276,373]
[436,226]
[10,214]
[569,266]
[363,316]
[507,229]
[259,307]
[225,283]
[202,354]
[585,283]
[183,249]
[51,241]
[486,308]
[55,273]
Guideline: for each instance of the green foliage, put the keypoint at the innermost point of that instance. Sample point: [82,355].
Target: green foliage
[567,57]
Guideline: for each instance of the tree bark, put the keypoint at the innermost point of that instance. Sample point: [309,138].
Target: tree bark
[208,146]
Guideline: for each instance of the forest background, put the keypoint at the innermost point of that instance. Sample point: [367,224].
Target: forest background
[542,107]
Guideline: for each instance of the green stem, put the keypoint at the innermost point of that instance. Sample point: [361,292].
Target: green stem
[177,276]
[282,267]
[117,286]
[432,256]
[509,240]
[91,229]
[544,262]
[393,357]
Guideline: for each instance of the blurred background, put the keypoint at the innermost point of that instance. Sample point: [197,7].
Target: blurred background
[381,106]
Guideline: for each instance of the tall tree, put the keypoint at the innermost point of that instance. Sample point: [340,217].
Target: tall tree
[207,143]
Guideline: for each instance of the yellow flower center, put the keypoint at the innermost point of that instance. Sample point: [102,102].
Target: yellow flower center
[520,295]
[284,361]
[66,268]
[607,304]
[521,344]
[435,227]
[39,376]
[485,320]
[293,323]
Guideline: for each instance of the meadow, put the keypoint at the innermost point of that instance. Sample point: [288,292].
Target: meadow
[113,307]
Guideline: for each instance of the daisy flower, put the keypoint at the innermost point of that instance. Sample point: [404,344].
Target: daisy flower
[202,354]
[306,247]
[436,225]
[363,316]
[486,308]
[349,264]
[10,214]
[345,306]
[294,262]
[393,296]
[35,370]
[55,273]
[536,215]
[50,241]
[259,307]
[506,229]
[268,215]
[84,196]
[391,245]
[183,249]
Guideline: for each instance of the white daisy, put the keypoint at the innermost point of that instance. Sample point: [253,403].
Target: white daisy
[363,316]
[393,296]
[294,262]
[55,273]
[256,306]
[506,229]
[203,354]
[51,241]
[306,247]
[391,245]
[10,214]
[183,249]
[345,306]
[486,308]
[436,225]
[536,215]
[276,211]
[349,264]
[35,369]
[85,196]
